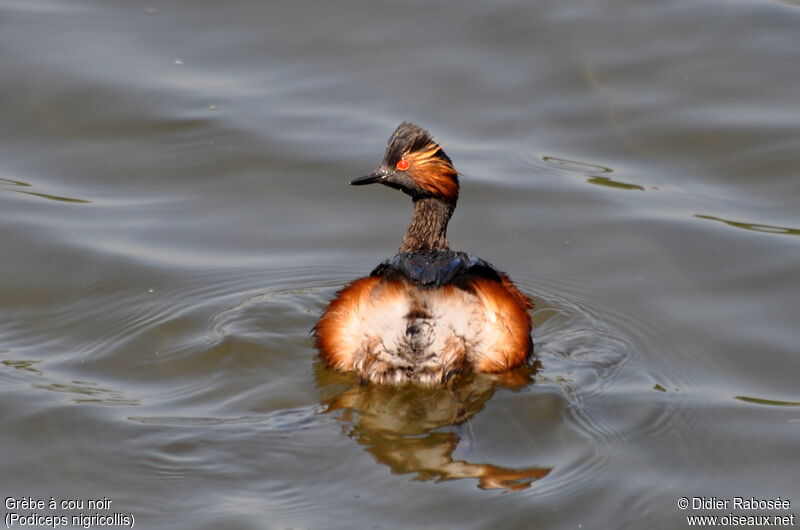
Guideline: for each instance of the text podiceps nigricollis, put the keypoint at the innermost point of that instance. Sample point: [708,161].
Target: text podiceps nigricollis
[428,312]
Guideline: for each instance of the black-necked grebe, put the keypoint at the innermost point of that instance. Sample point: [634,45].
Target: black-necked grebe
[428,312]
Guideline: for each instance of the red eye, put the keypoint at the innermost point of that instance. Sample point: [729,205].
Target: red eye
[403,164]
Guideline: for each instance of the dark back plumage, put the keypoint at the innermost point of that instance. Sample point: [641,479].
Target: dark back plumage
[432,270]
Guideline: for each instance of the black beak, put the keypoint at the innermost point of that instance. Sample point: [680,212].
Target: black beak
[375,176]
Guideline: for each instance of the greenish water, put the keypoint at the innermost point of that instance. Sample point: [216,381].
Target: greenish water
[175,214]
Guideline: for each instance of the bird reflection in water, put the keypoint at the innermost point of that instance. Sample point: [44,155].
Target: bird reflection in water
[405,427]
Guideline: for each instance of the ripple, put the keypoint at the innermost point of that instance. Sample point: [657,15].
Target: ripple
[770,402]
[14,185]
[92,393]
[27,365]
[590,355]
[595,174]
[281,420]
[755,227]
[574,166]
[215,329]
[247,315]
[34,374]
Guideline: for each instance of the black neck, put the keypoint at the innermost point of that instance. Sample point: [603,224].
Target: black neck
[428,228]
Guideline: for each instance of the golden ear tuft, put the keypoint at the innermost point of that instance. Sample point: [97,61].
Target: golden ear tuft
[434,172]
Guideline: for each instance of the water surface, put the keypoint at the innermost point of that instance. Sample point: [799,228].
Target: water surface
[175,212]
